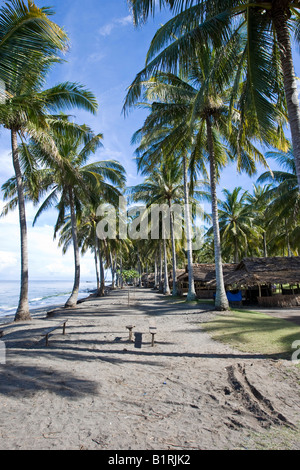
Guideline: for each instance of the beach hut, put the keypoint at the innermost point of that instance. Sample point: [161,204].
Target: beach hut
[271,281]
[204,279]
[148,280]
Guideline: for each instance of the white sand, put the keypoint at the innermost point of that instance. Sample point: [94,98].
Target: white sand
[93,389]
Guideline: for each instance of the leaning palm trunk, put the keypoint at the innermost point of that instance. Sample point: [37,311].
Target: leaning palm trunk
[191,295]
[22,312]
[290,82]
[221,301]
[72,301]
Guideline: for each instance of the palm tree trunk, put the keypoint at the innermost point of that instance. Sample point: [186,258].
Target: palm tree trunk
[236,251]
[96,269]
[155,272]
[280,21]
[101,291]
[160,283]
[22,312]
[139,269]
[221,301]
[289,252]
[72,301]
[112,269]
[174,287]
[96,261]
[121,273]
[166,278]
[265,245]
[191,295]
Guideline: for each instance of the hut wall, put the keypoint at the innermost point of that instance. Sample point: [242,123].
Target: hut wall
[204,293]
[279,301]
[182,287]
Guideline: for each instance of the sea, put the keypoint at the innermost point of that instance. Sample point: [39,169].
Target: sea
[42,294]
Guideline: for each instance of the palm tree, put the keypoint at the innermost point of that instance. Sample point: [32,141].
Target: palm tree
[267,27]
[163,186]
[237,224]
[196,112]
[283,210]
[24,113]
[258,202]
[74,183]
[26,29]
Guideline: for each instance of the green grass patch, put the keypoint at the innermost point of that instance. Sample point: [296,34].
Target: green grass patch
[254,332]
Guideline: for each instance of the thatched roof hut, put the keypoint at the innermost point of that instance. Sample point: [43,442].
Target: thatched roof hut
[205,273]
[262,271]
[179,272]
[255,277]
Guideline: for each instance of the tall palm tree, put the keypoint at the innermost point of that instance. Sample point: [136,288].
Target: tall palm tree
[75,182]
[237,224]
[196,110]
[283,210]
[258,202]
[163,186]
[268,29]
[24,113]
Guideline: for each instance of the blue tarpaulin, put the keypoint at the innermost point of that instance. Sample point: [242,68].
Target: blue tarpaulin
[234,297]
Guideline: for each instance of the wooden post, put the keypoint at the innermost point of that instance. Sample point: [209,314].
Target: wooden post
[130,328]
[152,330]
[259,290]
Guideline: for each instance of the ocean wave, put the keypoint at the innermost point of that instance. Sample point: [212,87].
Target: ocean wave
[6,308]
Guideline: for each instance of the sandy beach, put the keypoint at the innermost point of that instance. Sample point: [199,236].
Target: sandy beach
[93,389]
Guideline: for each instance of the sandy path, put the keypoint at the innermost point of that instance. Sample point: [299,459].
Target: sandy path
[93,389]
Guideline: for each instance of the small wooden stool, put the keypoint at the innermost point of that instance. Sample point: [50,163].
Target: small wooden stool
[153,331]
[130,328]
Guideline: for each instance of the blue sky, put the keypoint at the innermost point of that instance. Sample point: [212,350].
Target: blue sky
[106,51]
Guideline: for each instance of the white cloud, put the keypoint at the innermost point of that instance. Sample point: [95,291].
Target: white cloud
[6,166]
[107,29]
[8,259]
[46,260]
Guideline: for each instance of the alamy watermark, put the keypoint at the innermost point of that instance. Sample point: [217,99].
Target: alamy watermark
[154,222]
[296,354]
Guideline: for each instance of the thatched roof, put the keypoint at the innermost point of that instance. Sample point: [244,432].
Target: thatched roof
[148,277]
[151,276]
[255,271]
[206,273]
[179,273]
[250,272]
